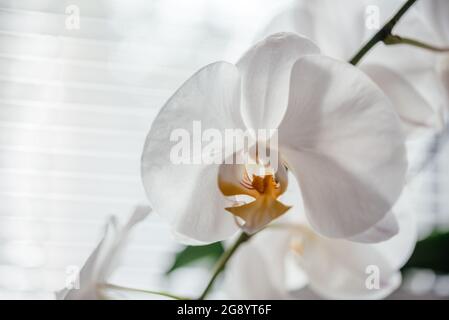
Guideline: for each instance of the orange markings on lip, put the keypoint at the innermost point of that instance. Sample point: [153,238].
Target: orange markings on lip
[265,189]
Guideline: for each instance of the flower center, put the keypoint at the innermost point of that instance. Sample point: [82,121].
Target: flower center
[261,184]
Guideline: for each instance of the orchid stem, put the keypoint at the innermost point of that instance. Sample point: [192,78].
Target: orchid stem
[395,39]
[164,294]
[383,33]
[221,263]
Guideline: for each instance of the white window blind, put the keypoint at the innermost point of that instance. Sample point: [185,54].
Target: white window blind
[75,107]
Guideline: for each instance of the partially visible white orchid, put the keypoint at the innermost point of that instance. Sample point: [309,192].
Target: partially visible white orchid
[104,259]
[338,136]
[290,257]
[407,75]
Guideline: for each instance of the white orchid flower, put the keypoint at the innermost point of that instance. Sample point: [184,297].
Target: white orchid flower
[104,259]
[291,257]
[337,134]
[407,75]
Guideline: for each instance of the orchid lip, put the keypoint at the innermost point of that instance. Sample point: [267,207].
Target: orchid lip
[262,185]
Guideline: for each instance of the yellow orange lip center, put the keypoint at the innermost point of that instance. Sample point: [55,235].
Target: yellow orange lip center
[265,189]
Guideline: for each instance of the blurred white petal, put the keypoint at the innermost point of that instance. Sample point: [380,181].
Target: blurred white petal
[104,259]
[258,269]
[415,112]
[339,269]
[381,231]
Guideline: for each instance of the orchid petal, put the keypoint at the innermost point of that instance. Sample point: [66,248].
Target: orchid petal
[344,143]
[399,248]
[257,270]
[265,71]
[340,269]
[414,111]
[186,193]
[104,259]
[385,229]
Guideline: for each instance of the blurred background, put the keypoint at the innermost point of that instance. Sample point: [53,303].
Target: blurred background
[81,82]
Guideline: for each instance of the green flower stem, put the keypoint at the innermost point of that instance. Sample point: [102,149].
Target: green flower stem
[383,33]
[395,39]
[164,294]
[221,263]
